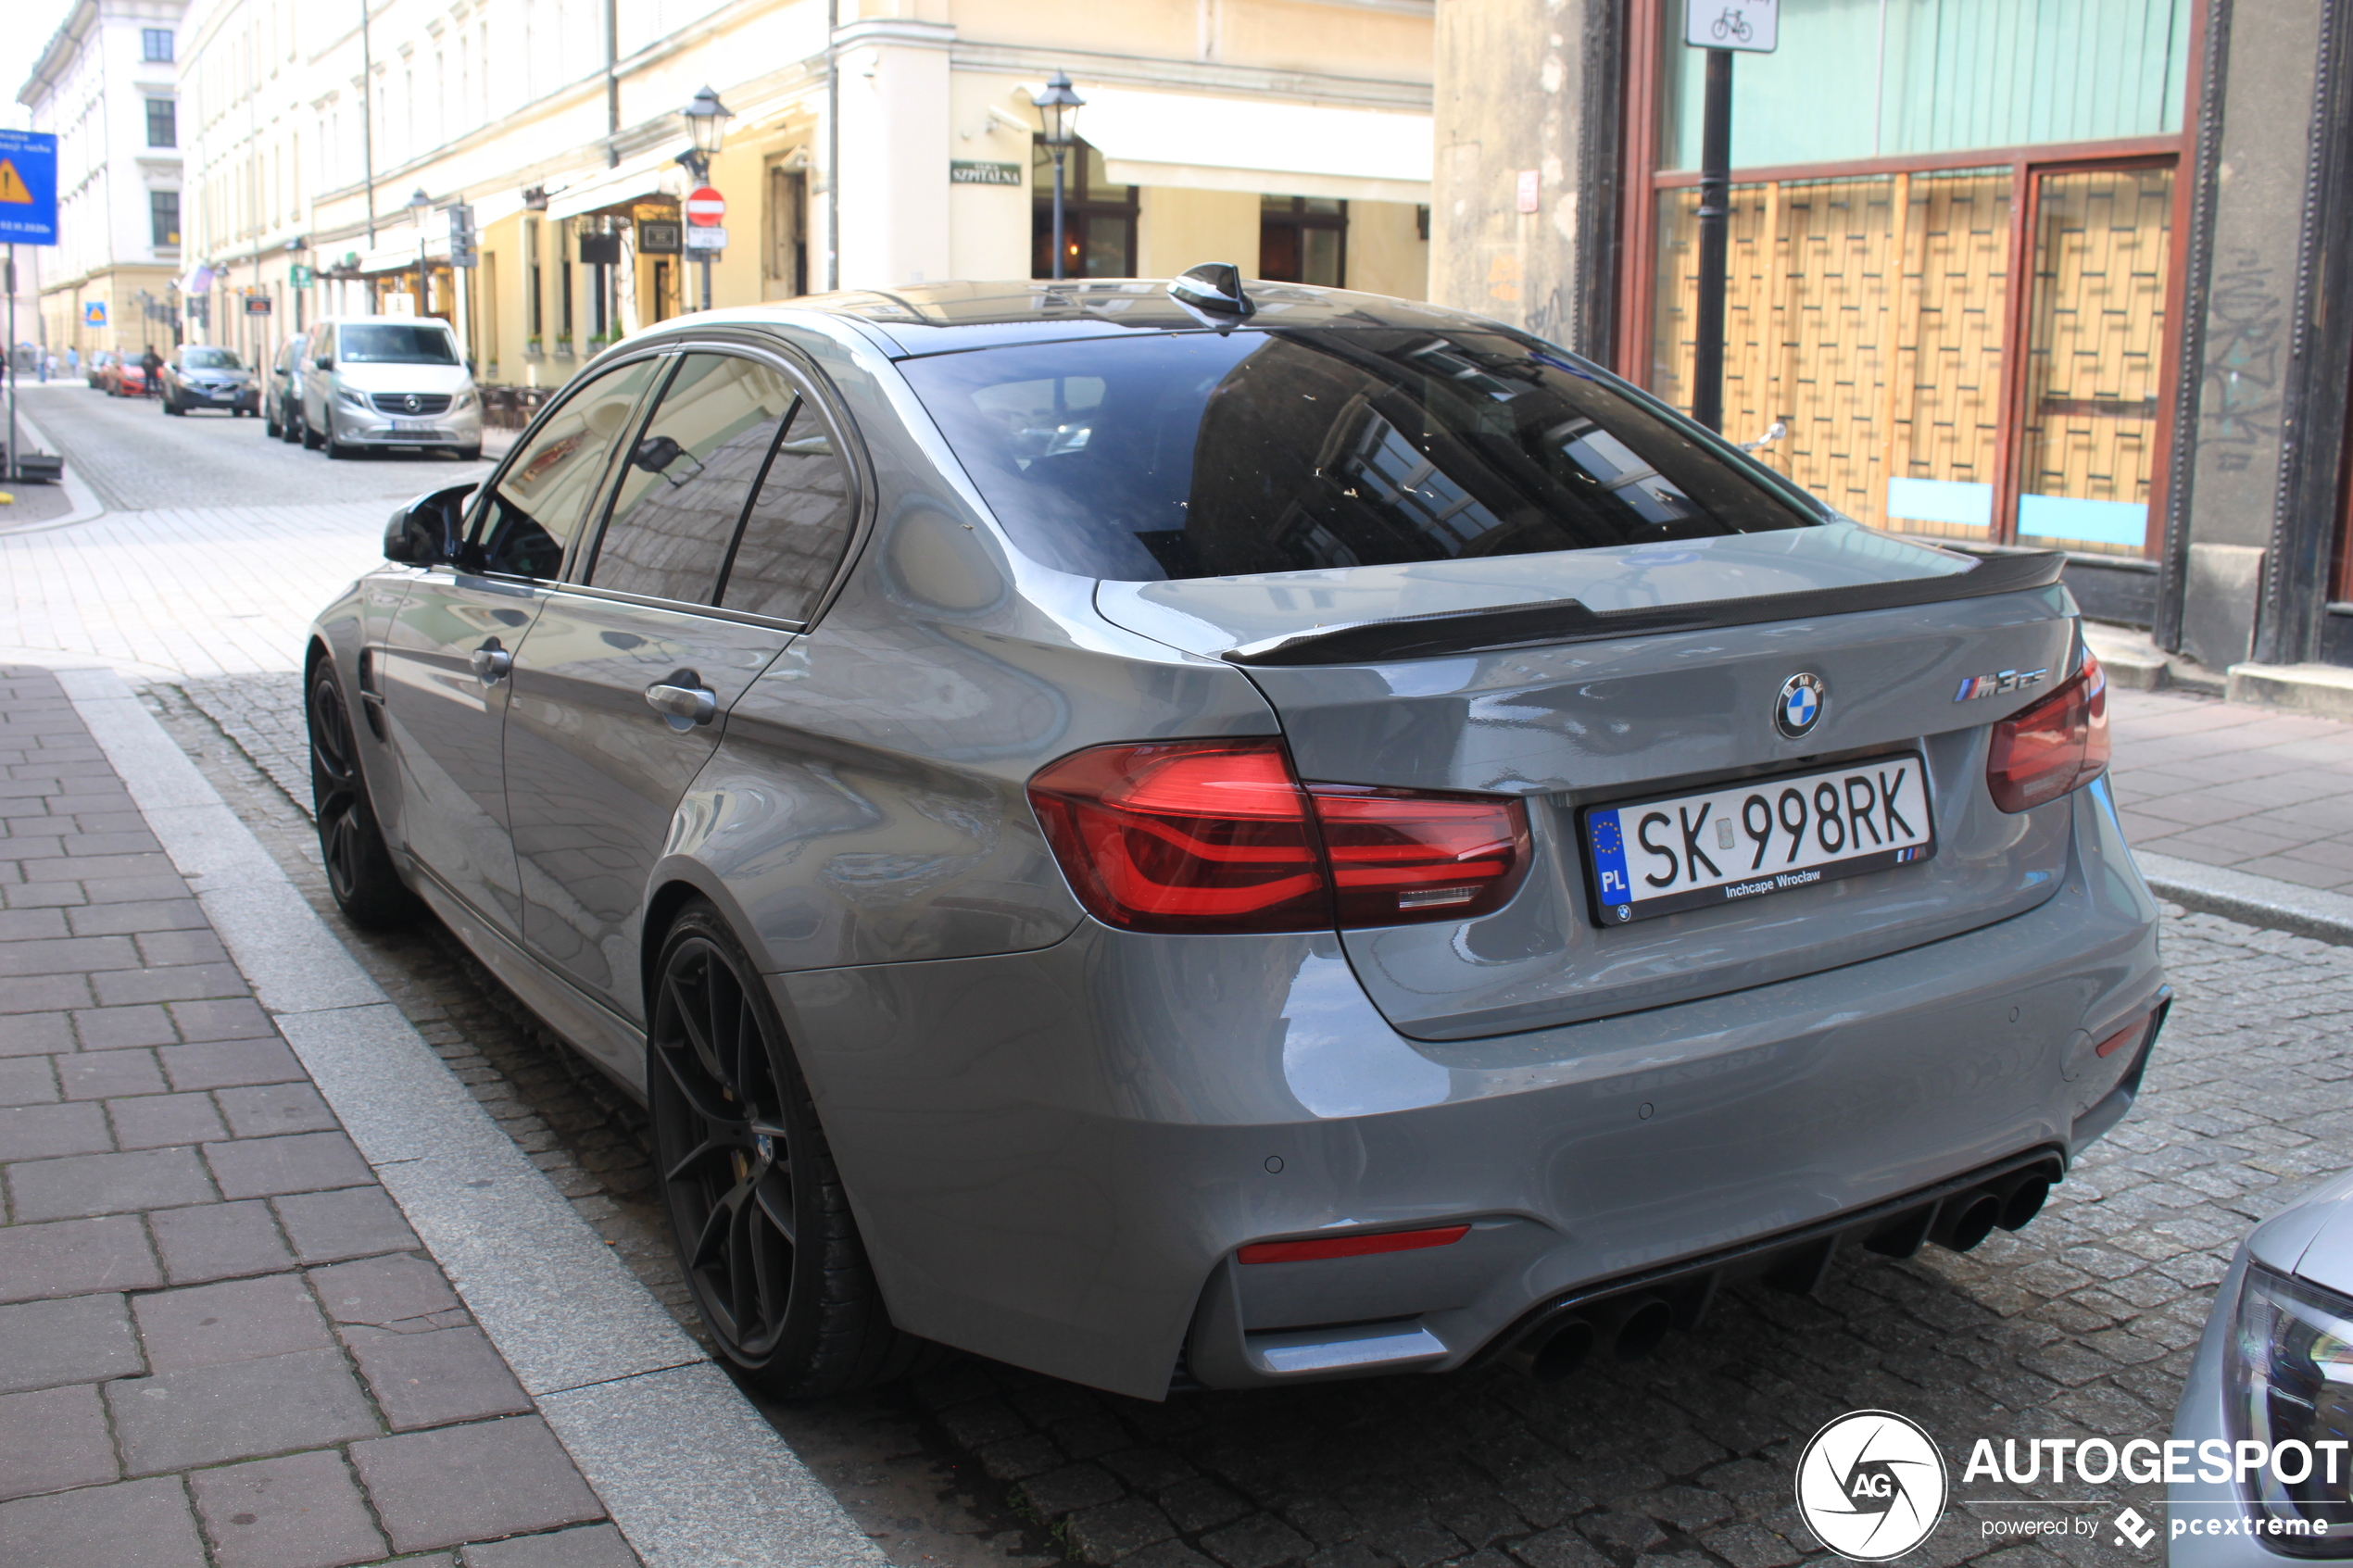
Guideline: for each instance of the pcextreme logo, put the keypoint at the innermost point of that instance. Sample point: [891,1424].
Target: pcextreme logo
[1872,1485]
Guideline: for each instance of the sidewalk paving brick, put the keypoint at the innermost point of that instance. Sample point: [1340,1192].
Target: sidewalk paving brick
[195,1261]
[304,1510]
[80,1339]
[145,1522]
[469,1483]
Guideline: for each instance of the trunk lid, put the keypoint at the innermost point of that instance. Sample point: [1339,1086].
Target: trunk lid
[1609,719]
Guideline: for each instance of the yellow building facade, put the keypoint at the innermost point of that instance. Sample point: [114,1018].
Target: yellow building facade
[870,146]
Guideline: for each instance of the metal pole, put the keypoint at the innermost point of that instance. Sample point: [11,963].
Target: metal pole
[1714,224]
[1058,214]
[12,362]
[368,120]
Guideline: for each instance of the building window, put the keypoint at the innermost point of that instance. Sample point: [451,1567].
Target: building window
[156,41]
[163,215]
[1945,309]
[1099,218]
[163,123]
[1303,240]
[534,286]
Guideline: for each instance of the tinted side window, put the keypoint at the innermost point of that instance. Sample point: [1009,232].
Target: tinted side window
[686,479]
[324,345]
[796,529]
[539,498]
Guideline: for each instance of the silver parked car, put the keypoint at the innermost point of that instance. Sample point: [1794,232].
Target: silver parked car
[2268,1407]
[381,381]
[1175,836]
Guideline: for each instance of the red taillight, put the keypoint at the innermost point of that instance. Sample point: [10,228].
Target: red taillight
[1217,836]
[1351,1245]
[2058,745]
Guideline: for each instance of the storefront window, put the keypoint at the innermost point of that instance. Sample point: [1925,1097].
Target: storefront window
[1935,339]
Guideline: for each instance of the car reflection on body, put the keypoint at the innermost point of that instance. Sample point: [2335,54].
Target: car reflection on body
[1230,834]
[202,375]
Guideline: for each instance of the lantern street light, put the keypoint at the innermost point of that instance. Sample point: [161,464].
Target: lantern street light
[418,204]
[1060,106]
[706,120]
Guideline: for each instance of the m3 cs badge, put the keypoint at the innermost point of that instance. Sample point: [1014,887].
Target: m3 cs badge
[1975,686]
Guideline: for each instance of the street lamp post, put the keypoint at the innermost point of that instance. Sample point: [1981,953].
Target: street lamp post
[418,204]
[1060,106]
[706,120]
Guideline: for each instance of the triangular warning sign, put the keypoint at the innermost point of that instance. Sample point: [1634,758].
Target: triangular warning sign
[12,185]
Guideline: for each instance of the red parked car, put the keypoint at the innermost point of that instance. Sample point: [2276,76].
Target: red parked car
[117,375]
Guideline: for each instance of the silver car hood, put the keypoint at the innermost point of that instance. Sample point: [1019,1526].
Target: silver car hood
[1211,614]
[2314,1239]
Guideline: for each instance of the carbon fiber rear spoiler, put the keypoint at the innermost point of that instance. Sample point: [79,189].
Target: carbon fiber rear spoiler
[1567,621]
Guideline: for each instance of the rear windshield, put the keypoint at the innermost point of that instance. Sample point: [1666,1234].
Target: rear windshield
[397,345]
[212,359]
[1208,455]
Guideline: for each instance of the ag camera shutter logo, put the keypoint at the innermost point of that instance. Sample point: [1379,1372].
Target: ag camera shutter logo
[1872,1485]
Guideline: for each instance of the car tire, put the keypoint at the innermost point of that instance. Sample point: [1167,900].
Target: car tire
[269,428]
[756,1211]
[470,454]
[310,442]
[336,450]
[359,869]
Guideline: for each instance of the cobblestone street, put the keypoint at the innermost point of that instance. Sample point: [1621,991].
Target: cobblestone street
[2080,1325]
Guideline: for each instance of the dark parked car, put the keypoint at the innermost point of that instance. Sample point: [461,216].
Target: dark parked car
[202,375]
[282,399]
[1191,834]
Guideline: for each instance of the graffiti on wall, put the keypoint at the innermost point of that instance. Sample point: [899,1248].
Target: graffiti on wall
[2246,349]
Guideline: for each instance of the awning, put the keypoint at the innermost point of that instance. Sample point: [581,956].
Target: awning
[396,249]
[628,181]
[1200,143]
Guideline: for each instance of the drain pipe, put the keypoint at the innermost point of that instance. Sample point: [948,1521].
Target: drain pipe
[612,83]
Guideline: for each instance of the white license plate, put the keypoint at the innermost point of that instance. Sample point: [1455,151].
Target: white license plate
[226,396]
[1755,838]
[414,427]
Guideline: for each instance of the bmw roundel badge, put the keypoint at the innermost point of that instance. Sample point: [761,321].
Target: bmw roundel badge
[1799,707]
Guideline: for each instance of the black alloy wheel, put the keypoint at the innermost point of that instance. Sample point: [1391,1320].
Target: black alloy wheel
[757,1211]
[360,869]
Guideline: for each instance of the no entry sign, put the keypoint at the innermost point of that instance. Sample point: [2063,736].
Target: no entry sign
[706,207]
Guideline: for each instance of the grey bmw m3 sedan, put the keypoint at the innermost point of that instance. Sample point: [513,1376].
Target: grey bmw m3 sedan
[1222,833]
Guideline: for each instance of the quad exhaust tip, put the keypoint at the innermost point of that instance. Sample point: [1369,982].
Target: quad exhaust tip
[1630,1327]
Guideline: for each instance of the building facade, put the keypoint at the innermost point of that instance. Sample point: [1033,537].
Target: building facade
[2002,274]
[107,87]
[872,143]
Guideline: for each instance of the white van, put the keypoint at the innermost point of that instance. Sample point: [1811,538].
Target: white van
[388,381]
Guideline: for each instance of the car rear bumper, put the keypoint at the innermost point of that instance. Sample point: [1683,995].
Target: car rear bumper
[1055,1155]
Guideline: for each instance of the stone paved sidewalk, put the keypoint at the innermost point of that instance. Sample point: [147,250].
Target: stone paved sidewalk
[2251,790]
[220,1342]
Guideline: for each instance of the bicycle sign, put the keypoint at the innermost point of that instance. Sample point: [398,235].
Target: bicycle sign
[1752,26]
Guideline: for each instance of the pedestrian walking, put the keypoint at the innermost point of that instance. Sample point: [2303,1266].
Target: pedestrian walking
[73,361]
[152,363]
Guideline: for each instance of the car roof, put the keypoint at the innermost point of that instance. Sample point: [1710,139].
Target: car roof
[945,318]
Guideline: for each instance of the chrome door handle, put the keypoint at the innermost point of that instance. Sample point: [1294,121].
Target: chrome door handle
[491,663]
[693,705]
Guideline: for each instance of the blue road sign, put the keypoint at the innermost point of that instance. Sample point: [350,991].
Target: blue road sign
[28,188]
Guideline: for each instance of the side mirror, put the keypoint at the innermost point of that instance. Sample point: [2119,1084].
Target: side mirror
[425,531]
[325,364]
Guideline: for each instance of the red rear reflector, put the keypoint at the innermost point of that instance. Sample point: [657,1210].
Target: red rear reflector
[1217,836]
[2058,745]
[2123,1037]
[1354,1246]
